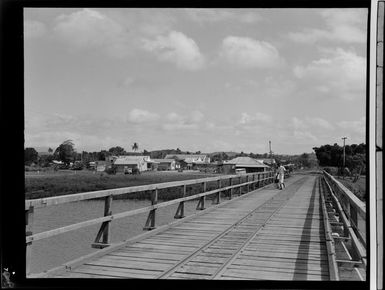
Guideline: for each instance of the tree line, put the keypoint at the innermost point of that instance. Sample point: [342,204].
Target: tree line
[332,156]
[67,153]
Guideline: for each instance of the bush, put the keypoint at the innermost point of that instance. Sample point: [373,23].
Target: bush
[331,170]
[111,170]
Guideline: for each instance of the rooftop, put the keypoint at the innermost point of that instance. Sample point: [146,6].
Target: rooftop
[245,161]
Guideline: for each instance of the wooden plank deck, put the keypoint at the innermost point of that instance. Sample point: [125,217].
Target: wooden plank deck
[267,234]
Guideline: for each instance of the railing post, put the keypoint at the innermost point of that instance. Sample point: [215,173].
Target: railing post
[259,180]
[253,183]
[218,197]
[29,213]
[248,185]
[264,178]
[104,230]
[107,211]
[353,216]
[201,203]
[231,189]
[180,211]
[240,187]
[270,177]
[150,223]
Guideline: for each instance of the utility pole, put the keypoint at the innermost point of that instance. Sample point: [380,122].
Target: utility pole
[343,166]
[271,152]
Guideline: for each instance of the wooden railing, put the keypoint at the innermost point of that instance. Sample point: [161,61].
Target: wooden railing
[240,183]
[352,212]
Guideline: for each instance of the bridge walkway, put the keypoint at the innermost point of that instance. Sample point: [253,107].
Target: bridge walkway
[265,234]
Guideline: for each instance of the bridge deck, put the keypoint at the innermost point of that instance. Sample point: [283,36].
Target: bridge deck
[266,234]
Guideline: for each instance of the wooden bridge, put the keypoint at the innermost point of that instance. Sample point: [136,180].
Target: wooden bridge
[314,229]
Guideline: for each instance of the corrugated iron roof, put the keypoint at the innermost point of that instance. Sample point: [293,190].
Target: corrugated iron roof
[128,160]
[246,161]
[184,156]
[164,160]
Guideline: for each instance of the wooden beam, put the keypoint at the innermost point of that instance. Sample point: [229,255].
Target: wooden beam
[333,267]
[152,207]
[180,211]
[354,201]
[150,223]
[201,203]
[29,216]
[81,260]
[104,230]
[43,202]
[357,246]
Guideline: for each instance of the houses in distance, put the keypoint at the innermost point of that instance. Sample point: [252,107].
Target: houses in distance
[182,162]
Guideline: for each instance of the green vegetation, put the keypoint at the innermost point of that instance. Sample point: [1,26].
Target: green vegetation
[358,187]
[332,156]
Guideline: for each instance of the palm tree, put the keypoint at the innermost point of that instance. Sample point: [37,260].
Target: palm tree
[135,147]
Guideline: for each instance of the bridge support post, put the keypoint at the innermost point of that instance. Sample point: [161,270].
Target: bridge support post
[248,185]
[231,189]
[150,223]
[180,211]
[29,213]
[104,230]
[201,203]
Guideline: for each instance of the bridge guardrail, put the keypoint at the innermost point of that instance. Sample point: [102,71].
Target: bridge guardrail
[248,181]
[353,207]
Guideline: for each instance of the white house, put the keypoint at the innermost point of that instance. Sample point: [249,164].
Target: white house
[143,163]
[166,164]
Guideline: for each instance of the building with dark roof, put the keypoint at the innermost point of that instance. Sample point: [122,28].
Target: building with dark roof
[247,163]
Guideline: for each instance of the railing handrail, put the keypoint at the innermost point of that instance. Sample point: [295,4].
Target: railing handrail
[57,231]
[353,200]
[47,201]
[53,232]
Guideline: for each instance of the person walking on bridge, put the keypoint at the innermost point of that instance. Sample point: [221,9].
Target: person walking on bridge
[281,175]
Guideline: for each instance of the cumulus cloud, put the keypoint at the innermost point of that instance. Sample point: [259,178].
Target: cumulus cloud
[355,127]
[312,123]
[341,73]
[175,121]
[91,29]
[139,116]
[304,136]
[254,118]
[298,124]
[308,129]
[245,52]
[278,87]
[348,26]
[320,123]
[176,48]
[87,27]
[34,29]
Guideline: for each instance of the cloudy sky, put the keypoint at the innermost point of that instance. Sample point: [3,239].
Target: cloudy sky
[197,79]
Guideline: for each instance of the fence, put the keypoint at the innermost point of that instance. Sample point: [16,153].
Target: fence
[236,184]
[352,214]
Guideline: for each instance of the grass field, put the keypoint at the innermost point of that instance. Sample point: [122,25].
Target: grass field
[358,188]
[47,184]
